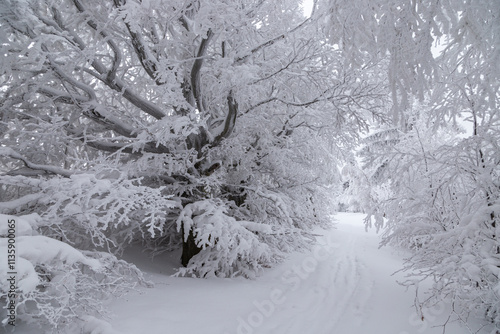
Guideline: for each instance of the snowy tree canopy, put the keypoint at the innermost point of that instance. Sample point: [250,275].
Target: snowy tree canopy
[214,126]
[423,45]
[219,128]
[118,115]
[433,189]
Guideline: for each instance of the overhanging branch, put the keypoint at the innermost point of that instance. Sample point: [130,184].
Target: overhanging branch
[8,152]
[271,42]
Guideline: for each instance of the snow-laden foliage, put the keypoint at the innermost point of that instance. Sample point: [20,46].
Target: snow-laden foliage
[228,247]
[434,190]
[396,34]
[145,121]
[103,209]
[55,282]
[120,114]
[443,205]
[414,41]
[441,202]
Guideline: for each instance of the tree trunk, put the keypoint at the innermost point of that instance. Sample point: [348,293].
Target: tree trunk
[189,247]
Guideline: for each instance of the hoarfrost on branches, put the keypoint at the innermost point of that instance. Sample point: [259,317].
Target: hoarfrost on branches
[119,117]
[56,282]
[441,181]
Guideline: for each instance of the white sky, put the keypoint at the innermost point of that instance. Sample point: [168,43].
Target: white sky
[307,7]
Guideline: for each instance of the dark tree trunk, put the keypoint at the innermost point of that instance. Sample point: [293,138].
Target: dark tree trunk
[189,247]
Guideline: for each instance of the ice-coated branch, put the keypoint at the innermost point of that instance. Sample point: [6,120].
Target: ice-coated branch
[108,77]
[116,50]
[8,152]
[271,42]
[148,62]
[75,83]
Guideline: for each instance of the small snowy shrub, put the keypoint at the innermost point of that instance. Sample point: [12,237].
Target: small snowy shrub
[56,283]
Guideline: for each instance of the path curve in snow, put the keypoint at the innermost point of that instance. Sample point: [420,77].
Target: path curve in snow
[343,286]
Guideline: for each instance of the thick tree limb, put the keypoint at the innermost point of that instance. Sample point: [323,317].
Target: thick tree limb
[148,62]
[108,77]
[110,147]
[195,71]
[92,111]
[65,77]
[125,147]
[116,51]
[110,122]
[62,97]
[230,121]
[135,99]
[19,202]
[119,86]
[8,152]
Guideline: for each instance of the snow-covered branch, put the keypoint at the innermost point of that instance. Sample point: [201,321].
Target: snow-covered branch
[272,41]
[8,152]
[196,74]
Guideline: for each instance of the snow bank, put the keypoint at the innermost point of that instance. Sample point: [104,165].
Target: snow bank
[41,249]
[24,225]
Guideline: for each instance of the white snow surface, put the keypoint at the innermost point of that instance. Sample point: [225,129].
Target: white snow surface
[38,249]
[23,225]
[344,285]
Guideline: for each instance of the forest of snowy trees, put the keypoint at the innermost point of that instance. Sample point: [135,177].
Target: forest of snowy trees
[231,129]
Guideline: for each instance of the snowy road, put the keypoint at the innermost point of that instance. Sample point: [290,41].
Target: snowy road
[343,286]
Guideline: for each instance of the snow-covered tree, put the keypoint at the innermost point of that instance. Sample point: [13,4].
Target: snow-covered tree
[209,125]
[441,189]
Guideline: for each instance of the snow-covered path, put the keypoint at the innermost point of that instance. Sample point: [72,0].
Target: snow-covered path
[343,286]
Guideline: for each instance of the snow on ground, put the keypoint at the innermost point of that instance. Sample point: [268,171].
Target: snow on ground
[343,286]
